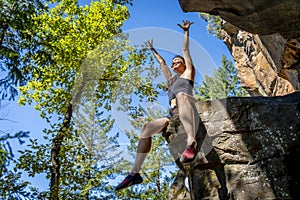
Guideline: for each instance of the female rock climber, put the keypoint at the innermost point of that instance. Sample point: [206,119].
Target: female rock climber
[180,92]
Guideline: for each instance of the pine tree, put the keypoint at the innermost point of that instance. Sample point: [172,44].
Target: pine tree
[225,83]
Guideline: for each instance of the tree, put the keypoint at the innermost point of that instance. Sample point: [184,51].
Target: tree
[81,60]
[214,24]
[91,157]
[225,83]
[16,43]
[11,187]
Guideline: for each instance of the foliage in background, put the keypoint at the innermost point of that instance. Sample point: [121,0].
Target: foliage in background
[214,24]
[224,83]
[158,170]
[16,43]
[12,186]
[83,59]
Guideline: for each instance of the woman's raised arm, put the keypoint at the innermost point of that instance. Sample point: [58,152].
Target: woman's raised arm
[164,67]
[186,47]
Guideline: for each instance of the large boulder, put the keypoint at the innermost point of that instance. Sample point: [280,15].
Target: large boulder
[249,148]
[263,17]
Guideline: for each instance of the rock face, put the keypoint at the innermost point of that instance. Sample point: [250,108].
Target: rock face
[267,65]
[263,37]
[249,148]
[264,17]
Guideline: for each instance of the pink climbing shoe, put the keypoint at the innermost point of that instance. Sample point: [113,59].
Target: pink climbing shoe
[189,153]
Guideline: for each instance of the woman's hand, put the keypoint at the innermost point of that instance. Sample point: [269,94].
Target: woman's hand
[185,25]
[150,43]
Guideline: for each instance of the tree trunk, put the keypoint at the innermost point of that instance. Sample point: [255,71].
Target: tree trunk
[55,157]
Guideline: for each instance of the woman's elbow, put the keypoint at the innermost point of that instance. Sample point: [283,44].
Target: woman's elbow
[162,61]
[185,50]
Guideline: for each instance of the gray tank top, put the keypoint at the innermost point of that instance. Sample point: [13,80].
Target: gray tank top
[179,84]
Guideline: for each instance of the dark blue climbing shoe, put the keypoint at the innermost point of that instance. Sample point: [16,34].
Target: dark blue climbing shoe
[129,181]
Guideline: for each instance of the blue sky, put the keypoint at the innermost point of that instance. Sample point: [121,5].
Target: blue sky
[155,19]
[166,14]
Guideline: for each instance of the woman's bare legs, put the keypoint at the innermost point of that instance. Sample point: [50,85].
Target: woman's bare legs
[186,116]
[145,140]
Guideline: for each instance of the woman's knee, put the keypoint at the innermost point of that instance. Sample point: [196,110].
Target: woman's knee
[151,128]
[145,131]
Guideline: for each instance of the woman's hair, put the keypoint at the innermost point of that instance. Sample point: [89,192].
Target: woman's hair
[179,56]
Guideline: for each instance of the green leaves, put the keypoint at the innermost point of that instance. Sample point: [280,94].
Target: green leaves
[16,43]
[225,83]
[67,33]
[12,186]
[83,62]
[214,24]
